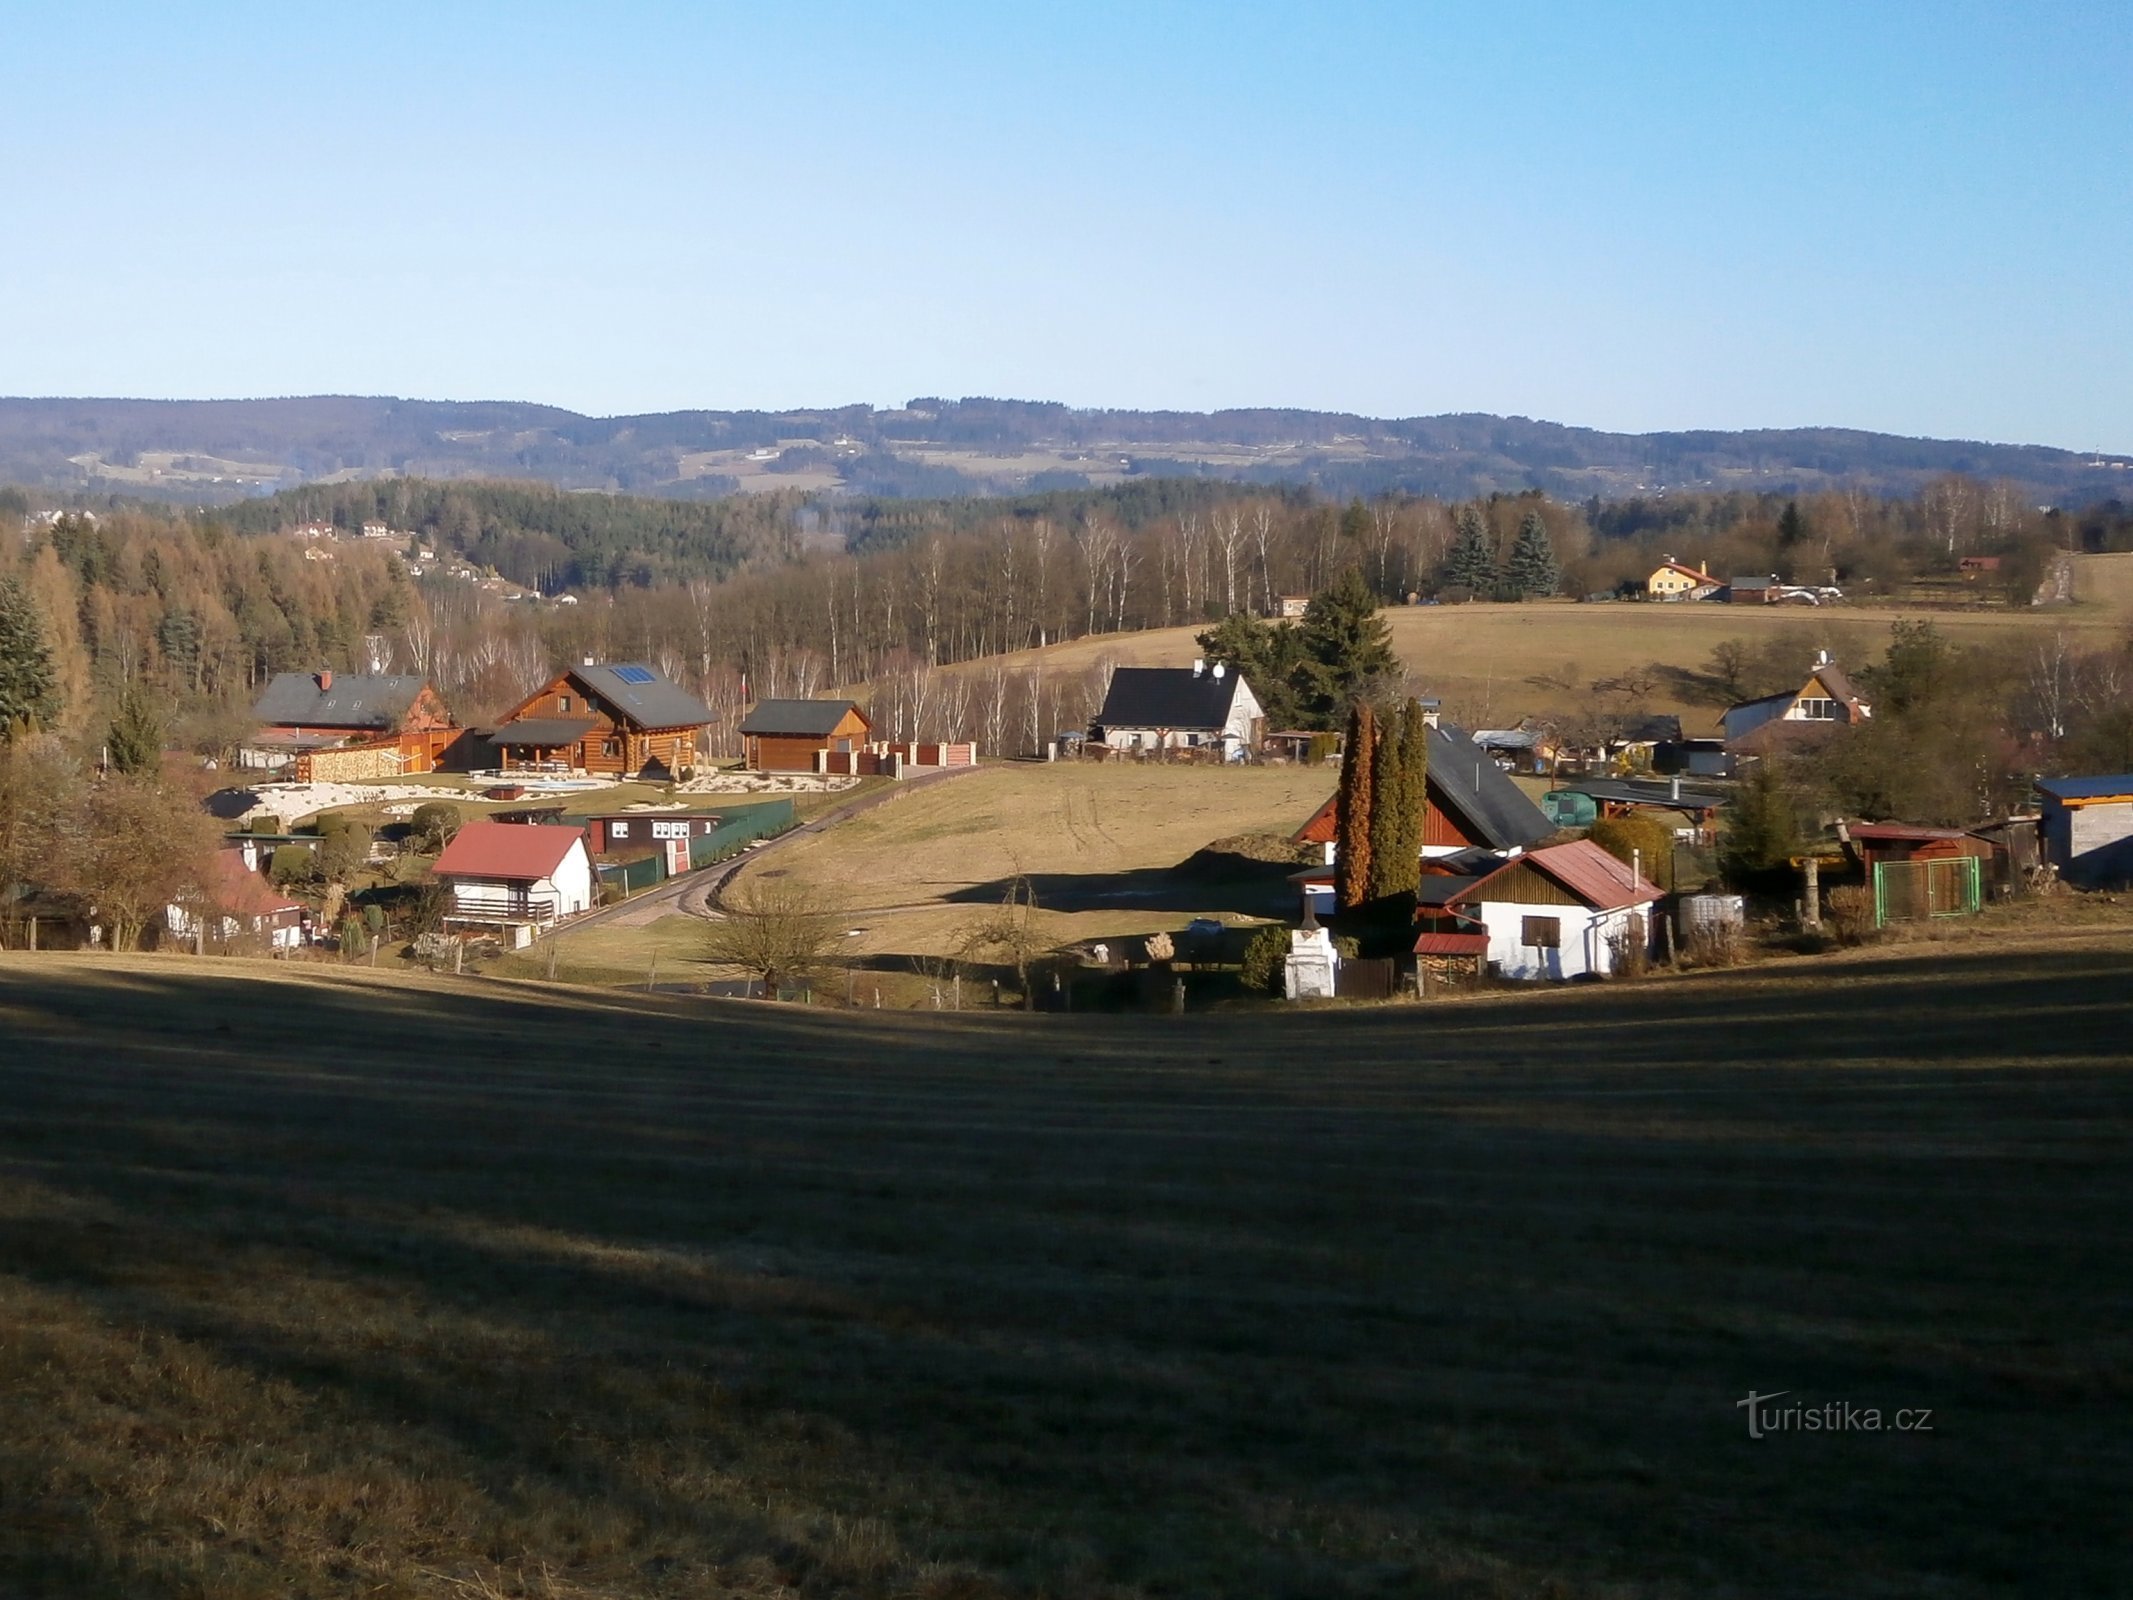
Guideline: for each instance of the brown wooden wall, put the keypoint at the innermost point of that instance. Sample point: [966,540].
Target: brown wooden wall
[1521,885]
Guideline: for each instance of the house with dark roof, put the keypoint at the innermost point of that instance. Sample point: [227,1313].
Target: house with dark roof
[625,719]
[2088,828]
[304,712]
[784,735]
[1826,701]
[517,877]
[1205,706]
[1753,590]
[1473,805]
[1561,911]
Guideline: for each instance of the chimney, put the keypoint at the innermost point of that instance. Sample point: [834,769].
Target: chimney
[1198,666]
[325,679]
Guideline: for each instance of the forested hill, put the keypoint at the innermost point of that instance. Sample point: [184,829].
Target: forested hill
[218,451]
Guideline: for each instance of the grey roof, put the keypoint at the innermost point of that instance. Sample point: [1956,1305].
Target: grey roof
[813,719]
[547,732]
[1468,782]
[1759,580]
[1438,887]
[294,699]
[1168,697]
[644,696]
[1661,795]
[2101,788]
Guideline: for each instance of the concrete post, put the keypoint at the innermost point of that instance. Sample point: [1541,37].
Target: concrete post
[1811,900]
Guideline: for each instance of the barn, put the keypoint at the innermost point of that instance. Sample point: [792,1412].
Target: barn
[784,735]
[623,720]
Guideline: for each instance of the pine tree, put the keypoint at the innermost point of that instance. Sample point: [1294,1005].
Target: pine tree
[136,738]
[1471,564]
[1792,527]
[1352,810]
[1344,644]
[1532,566]
[28,693]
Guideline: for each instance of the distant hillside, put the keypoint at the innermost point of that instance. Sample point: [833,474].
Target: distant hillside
[214,451]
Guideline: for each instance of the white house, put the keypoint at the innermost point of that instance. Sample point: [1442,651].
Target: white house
[1178,708]
[235,903]
[1826,700]
[517,876]
[1563,911]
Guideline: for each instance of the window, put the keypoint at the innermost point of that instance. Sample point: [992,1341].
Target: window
[618,830]
[1815,709]
[1542,933]
[562,702]
[612,747]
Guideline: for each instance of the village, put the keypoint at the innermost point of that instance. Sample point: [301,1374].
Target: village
[560,839]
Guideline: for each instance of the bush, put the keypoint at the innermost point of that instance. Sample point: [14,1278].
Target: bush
[1266,961]
[344,845]
[1642,838]
[263,823]
[292,866]
[374,919]
[433,824]
[1851,914]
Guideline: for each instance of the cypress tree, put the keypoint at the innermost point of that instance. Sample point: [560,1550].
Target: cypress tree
[1389,828]
[1471,564]
[1352,810]
[1533,569]
[29,694]
[1414,773]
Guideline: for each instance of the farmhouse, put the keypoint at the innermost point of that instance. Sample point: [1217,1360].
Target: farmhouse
[2088,828]
[235,903]
[1672,580]
[518,877]
[1179,708]
[784,735]
[400,721]
[625,719]
[1562,911]
[1825,701]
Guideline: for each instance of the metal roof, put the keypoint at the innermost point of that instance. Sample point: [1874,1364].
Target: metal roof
[644,696]
[1629,792]
[1596,878]
[2109,787]
[507,850]
[1168,697]
[1468,784]
[1452,944]
[813,719]
[295,699]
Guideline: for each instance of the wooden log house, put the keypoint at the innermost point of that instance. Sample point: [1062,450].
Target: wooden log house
[624,720]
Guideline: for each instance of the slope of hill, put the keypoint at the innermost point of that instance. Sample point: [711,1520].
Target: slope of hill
[335,1283]
[220,450]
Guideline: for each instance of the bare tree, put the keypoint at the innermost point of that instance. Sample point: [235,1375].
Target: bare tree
[776,930]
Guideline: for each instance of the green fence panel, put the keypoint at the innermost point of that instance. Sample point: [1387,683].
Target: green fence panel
[739,828]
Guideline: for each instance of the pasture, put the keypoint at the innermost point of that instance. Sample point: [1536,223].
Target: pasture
[331,1283]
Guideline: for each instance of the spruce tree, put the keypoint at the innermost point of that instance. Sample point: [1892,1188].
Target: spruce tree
[1471,564]
[1352,810]
[1343,645]
[136,738]
[1532,566]
[29,693]
[1762,831]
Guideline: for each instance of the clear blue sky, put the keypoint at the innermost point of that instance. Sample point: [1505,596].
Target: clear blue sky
[1916,218]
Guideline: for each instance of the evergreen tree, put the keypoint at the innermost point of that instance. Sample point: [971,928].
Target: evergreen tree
[1792,527]
[1414,772]
[1471,564]
[1388,817]
[1532,566]
[136,738]
[1352,810]
[1344,644]
[1265,655]
[1762,831]
[28,693]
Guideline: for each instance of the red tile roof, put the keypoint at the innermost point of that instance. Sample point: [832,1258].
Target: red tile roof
[506,850]
[1588,872]
[1323,826]
[236,890]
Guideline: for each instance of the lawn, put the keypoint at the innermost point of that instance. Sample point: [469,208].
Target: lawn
[326,1283]
[1098,840]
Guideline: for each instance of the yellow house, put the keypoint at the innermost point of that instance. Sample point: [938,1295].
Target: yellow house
[1673,581]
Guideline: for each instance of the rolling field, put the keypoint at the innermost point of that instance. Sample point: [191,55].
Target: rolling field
[1482,659]
[1096,839]
[338,1284]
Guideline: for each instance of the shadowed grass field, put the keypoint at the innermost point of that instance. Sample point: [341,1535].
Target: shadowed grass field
[340,1284]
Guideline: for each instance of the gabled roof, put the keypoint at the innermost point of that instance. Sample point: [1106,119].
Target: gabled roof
[645,696]
[1685,570]
[1168,697]
[1590,874]
[295,700]
[2108,787]
[507,850]
[1469,786]
[811,719]
[236,890]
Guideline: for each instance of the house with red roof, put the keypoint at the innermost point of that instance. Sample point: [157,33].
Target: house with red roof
[1561,911]
[518,877]
[235,903]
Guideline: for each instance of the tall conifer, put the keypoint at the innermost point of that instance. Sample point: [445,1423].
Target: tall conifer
[1352,810]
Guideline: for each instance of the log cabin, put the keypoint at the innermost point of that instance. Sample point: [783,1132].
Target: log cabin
[625,720]
[784,735]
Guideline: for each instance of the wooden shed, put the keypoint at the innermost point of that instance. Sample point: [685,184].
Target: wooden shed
[784,735]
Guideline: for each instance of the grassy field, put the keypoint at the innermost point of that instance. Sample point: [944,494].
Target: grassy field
[1492,663]
[1097,840]
[338,1284]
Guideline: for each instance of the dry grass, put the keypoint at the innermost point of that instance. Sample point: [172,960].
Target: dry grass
[321,1284]
[1097,838]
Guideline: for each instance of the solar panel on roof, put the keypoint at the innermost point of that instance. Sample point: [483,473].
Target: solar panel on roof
[633,675]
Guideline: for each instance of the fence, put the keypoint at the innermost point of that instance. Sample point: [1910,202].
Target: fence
[1910,891]
[737,829]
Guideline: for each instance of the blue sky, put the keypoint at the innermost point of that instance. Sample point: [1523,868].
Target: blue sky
[1916,218]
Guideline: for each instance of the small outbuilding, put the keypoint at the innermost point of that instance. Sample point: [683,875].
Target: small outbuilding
[1562,911]
[2088,828]
[786,735]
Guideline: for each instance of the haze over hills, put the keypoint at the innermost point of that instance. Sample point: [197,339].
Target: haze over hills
[216,451]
